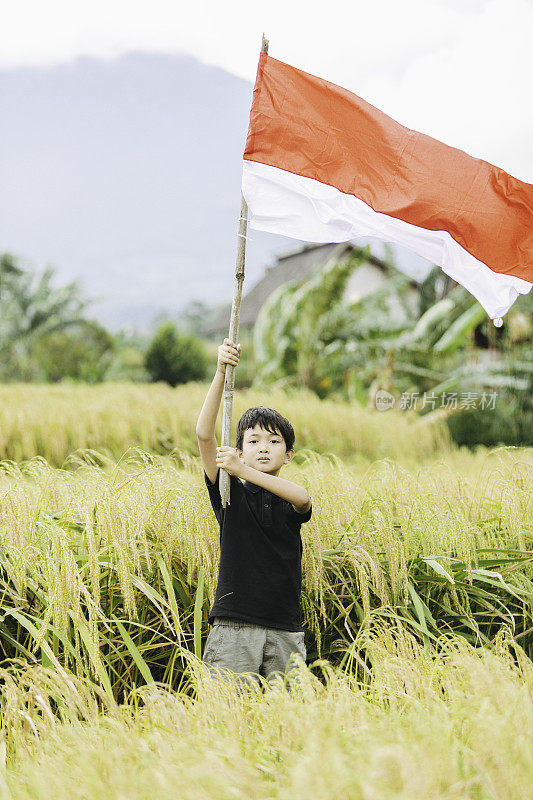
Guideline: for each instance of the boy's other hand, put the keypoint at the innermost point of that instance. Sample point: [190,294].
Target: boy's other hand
[228,353]
[228,459]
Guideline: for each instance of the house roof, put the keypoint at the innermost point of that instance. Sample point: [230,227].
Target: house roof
[296,264]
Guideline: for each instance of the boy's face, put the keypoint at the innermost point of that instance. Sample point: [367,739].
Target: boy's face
[259,444]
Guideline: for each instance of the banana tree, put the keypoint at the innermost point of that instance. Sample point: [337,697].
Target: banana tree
[309,334]
[298,323]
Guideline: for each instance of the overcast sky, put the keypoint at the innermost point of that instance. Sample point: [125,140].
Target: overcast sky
[458,70]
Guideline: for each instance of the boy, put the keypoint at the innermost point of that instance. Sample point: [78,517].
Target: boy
[256,615]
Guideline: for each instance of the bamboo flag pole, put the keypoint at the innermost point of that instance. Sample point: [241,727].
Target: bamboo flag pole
[229,380]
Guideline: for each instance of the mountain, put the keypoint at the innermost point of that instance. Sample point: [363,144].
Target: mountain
[125,174]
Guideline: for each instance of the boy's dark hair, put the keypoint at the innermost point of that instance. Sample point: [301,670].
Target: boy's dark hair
[267,418]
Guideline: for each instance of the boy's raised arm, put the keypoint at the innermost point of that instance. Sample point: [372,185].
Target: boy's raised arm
[228,353]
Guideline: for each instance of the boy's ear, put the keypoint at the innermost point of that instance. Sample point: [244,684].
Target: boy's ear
[289,455]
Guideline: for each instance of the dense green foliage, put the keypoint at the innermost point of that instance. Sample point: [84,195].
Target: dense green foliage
[310,335]
[45,336]
[307,335]
[82,352]
[31,308]
[175,357]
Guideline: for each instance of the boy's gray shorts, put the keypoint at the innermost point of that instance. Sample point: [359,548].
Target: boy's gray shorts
[246,647]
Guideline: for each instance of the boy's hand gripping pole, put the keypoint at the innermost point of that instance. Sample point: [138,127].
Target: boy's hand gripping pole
[227,405]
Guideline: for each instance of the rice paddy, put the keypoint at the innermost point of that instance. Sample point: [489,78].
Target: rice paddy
[417,595]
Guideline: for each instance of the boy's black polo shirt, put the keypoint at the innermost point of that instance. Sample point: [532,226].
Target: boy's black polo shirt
[260,573]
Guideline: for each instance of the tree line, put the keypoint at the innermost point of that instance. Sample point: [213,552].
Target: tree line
[306,334]
[46,336]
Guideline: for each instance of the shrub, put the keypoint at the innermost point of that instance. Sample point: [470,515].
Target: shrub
[510,422]
[174,357]
[80,352]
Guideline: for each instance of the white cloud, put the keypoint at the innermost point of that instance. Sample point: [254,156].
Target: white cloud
[458,70]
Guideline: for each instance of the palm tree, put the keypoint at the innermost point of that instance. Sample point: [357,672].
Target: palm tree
[31,307]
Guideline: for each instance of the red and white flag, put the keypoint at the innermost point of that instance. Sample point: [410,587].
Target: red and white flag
[323,165]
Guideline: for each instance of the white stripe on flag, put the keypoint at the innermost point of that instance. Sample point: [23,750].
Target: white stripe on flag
[303,208]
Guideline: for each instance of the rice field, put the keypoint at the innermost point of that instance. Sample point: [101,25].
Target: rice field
[417,598]
[53,421]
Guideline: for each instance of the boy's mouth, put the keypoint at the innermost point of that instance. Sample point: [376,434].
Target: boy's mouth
[264,459]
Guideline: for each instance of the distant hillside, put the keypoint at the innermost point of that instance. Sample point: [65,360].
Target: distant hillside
[126,173]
